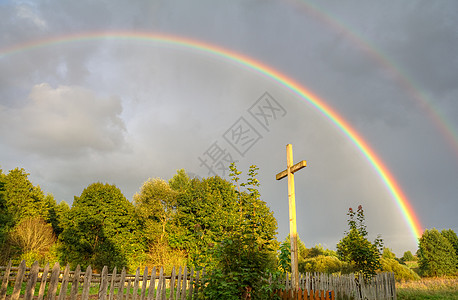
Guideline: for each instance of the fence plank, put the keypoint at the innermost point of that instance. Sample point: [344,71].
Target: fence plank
[121,284]
[184,284]
[129,284]
[44,279]
[152,283]
[172,284]
[102,294]
[31,283]
[135,290]
[112,285]
[160,284]
[52,288]
[75,283]
[18,282]
[191,284]
[144,282]
[178,291]
[6,277]
[64,285]
[87,283]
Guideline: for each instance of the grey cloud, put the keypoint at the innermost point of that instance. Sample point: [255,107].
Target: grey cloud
[66,120]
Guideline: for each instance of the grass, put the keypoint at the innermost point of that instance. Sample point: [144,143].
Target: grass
[428,288]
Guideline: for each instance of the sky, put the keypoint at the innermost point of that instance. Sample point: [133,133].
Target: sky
[84,99]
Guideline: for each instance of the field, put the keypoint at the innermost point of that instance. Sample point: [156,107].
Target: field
[428,288]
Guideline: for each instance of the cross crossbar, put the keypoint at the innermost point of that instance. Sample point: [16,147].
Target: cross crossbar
[295,168]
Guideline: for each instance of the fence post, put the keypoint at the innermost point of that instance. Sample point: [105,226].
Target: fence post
[33,275]
[103,284]
[75,283]
[121,284]
[18,282]
[152,284]
[160,284]
[178,291]
[112,284]
[52,288]
[63,286]
[87,283]
[44,278]
[184,284]
[135,289]
[144,282]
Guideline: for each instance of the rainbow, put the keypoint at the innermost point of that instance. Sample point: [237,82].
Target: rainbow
[266,71]
[440,121]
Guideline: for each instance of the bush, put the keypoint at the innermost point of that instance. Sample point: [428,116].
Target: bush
[401,272]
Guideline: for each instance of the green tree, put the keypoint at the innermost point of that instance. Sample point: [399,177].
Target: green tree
[436,255]
[156,207]
[101,229]
[356,250]
[408,256]
[205,213]
[6,223]
[180,181]
[245,256]
[387,253]
[22,198]
[57,214]
[156,204]
[451,236]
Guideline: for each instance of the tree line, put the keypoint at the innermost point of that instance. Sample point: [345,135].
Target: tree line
[214,223]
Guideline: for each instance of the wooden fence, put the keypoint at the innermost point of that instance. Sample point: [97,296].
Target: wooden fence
[44,283]
[381,287]
[51,284]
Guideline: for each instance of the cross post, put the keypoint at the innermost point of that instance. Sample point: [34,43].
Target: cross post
[289,172]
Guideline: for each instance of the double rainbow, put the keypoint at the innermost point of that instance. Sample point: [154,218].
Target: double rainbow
[266,71]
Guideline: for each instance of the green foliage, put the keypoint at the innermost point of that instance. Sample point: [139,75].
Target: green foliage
[401,272]
[205,214]
[451,236]
[244,258]
[388,254]
[22,198]
[57,213]
[284,257]
[324,264]
[156,206]
[408,256]
[436,255]
[101,229]
[19,200]
[356,250]
[180,181]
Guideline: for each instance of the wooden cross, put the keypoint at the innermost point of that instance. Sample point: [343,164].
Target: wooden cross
[290,170]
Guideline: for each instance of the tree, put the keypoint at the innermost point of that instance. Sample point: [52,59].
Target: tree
[451,236]
[33,238]
[6,223]
[436,255]
[243,259]
[355,249]
[156,204]
[408,256]
[101,229]
[23,199]
[156,207]
[206,211]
